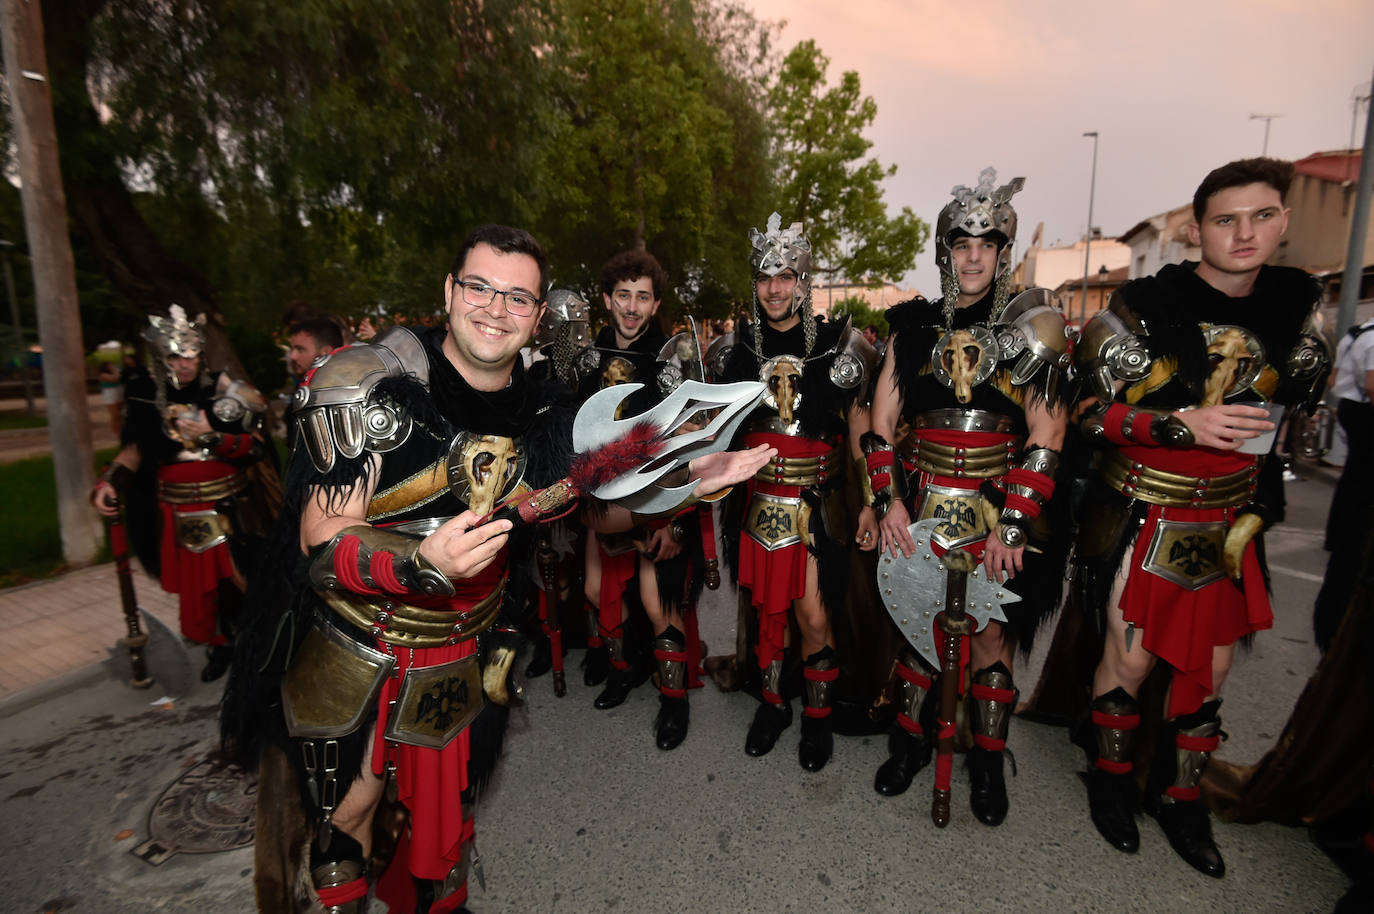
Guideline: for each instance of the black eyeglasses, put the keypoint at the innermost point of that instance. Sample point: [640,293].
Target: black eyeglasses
[480,294]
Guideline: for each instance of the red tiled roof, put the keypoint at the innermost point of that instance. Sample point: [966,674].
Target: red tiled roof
[1341,165]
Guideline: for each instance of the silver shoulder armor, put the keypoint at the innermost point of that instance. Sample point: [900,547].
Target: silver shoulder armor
[238,401]
[1309,362]
[855,359]
[337,410]
[1110,349]
[718,354]
[1032,331]
[680,360]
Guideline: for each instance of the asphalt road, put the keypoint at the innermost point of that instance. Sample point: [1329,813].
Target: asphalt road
[588,816]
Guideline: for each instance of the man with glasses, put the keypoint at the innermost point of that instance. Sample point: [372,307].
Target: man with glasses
[795,519]
[401,673]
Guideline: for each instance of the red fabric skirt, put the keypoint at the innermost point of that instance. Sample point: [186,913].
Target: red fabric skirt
[430,781]
[194,576]
[1182,626]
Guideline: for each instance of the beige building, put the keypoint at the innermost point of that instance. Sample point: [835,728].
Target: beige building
[1161,239]
[1052,266]
[1322,199]
[1069,297]
[879,297]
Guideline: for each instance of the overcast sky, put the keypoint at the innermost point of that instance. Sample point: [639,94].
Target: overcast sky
[962,85]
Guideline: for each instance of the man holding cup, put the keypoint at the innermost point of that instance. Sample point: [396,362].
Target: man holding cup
[1186,366]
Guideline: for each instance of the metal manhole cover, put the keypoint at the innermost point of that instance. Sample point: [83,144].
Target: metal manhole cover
[207,810]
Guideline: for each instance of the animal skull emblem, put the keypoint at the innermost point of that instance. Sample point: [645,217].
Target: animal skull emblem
[489,461]
[1234,361]
[782,376]
[960,359]
[617,371]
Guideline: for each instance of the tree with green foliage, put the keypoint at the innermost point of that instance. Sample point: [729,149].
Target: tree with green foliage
[825,180]
[664,144]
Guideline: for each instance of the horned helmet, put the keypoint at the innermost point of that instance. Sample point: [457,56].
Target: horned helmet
[779,249]
[174,336]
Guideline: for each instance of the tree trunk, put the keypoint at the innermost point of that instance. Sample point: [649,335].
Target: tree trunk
[54,278]
[101,207]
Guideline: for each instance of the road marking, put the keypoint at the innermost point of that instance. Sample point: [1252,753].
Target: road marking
[1295,573]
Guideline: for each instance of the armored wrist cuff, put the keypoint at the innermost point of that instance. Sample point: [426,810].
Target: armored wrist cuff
[118,476]
[1169,430]
[370,560]
[880,467]
[1122,424]
[1029,487]
[1011,534]
[865,482]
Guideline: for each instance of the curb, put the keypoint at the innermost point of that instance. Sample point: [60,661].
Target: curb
[40,692]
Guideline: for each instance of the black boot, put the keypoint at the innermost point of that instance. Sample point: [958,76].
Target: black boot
[769,722]
[908,747]
[618,685]
[1109,737]
[596,665]
[217,662]
[671,725]
[987,786]
[991,701]
[817,743]
[1184,748]
[670,654]
[908,753]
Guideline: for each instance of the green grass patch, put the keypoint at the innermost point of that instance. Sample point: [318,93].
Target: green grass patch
[30,537]
[21,420]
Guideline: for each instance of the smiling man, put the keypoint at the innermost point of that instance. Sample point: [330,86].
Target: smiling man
[660,555]
[1183,365]
[794,518]
[978,377]
[401,673]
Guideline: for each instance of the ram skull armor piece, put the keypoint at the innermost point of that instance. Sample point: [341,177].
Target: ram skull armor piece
[782,377]
[1236,358]
[483,468]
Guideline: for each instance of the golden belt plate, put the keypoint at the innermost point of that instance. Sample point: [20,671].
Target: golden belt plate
[436,703]
[332,684]
[1188,553]
[775,521]
[198,531]
[960,509]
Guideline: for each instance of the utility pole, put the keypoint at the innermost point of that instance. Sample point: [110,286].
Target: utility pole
[1359,226]
[54,277]
[1267,118]
[1088,238]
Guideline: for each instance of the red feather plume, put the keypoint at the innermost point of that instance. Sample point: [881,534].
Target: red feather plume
[637,448]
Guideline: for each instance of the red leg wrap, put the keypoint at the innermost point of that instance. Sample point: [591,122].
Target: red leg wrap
[944,761]
[674,657]
[343,894]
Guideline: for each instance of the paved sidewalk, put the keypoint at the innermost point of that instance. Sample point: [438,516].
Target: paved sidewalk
[61,630]
[23,443]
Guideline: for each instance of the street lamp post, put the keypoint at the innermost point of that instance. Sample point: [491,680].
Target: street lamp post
[1267,118]
[1088,238]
